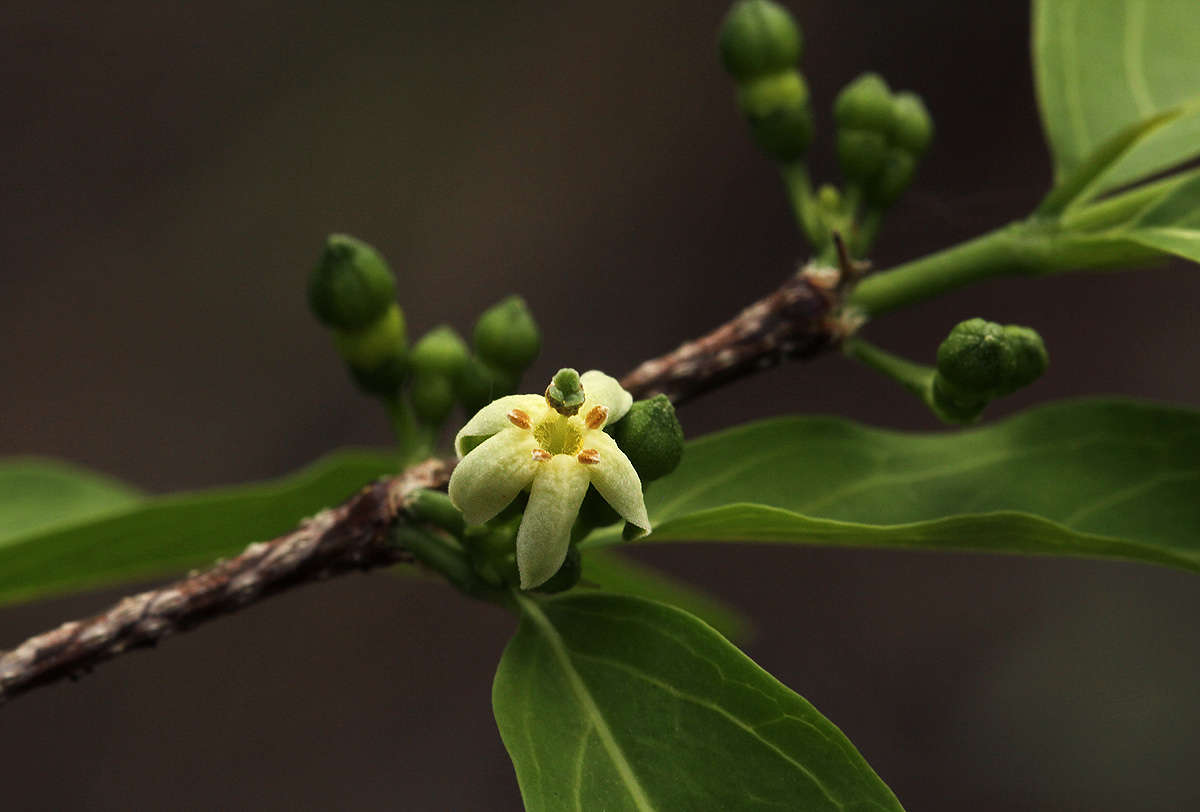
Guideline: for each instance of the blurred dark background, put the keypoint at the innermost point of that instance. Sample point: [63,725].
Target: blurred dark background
[168,174]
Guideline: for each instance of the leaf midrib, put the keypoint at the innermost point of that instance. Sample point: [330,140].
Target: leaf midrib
[751,730]
[587,702]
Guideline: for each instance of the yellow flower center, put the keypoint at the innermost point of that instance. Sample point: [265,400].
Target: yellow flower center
[558,435]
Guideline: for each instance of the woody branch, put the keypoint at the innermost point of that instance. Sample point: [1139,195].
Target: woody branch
[798,320]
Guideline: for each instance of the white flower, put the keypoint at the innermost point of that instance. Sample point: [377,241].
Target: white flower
[556,448]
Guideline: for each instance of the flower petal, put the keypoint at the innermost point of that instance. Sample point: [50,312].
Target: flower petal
[616,480]
[605,390]
[491,475]
[494,417]
[558,489]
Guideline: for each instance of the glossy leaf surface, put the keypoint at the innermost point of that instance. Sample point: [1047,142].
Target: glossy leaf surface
[615,703]
[1108,478]
[1100,66]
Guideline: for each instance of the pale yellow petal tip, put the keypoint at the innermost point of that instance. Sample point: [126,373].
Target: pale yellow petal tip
[491,475]
[467,494]
[533,583]
[605,390]
[494,417]
[539,568]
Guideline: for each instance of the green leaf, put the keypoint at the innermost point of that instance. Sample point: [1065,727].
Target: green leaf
[39,493]
[1172,224]
[1115,212]
[615,573]
[162,536]
[1104,478]
[616,703]
[1078,185]
[1102,65]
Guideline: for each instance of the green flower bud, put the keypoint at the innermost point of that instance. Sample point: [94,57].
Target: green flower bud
[861,154]
[829,198]
[383,339]
[567,576]
[432,397]
[976,359]
[491,549]
[506,335]
[912,127]
[892,179]
[955,405]
[777,110]
[478,383]
[758,38]
[864,104]
[378,354]
[863,111]
[650,435]
[981,360]
[1031,356]
[439,352]
[565,392]
[351,286]
[910,133]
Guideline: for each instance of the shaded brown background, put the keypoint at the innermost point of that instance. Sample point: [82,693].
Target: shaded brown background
[168,173]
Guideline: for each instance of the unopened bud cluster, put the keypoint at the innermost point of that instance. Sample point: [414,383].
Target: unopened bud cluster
[353,292]
[881,137]
[761,46]
[981,360]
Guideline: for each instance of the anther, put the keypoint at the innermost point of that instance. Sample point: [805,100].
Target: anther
[540,455]
[519,419]
[597,416]
[589,456]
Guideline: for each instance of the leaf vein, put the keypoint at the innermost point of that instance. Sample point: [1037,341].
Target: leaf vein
[720,711]
[580,759]
[1125,494]
[587,701]
[1072,80]
[658,630]
[1134,35]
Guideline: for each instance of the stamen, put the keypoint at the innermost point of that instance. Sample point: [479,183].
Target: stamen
[589,456]
[540,454]
[519,419]
[597,416]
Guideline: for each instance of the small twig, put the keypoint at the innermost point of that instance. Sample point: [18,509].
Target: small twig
[851,269]
[798,320]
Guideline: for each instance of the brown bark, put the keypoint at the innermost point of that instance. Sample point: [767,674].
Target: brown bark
[350,537]
[797,320]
